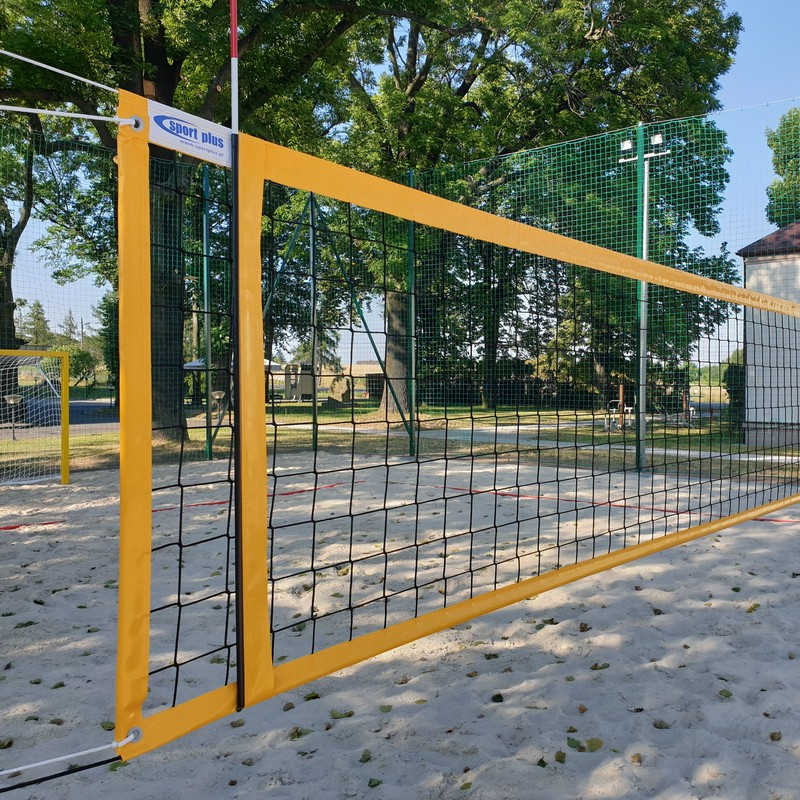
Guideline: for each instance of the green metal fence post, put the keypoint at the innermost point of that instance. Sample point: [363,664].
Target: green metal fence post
[412,334]
[312,255]
[642,191]
[207,311]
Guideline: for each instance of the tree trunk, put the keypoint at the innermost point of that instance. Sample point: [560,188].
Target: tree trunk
[491,337]
[167,304]
[601,375]
[10,235]
[396,399]
[8,339]
[8,331]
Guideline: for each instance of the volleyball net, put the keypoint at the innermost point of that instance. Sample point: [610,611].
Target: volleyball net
[410,412]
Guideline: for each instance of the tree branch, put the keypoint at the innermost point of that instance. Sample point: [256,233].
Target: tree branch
[301,65]
[369,104]
[211,99]
[291,9]
[15,234]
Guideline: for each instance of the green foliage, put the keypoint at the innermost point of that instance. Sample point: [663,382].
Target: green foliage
[709,376]
[387,89]
[783,194]
[82,365]
[736,357]
[108,313]
[68,185]
[75,188]
[526,73]
[580,189]
[69,328]
[735,381]
[327,359]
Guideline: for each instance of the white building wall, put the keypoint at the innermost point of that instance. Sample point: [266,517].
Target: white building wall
[772,344]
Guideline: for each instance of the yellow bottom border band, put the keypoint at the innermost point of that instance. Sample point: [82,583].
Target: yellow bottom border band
[165,726]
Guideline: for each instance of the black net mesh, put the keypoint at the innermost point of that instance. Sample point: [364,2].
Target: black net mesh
[462,416]
[193,589]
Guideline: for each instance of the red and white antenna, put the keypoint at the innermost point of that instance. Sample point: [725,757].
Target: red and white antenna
[241,698]
[234,67]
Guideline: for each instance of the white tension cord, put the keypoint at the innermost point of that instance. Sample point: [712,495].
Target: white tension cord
[59,71]
[135,121]
[133,736]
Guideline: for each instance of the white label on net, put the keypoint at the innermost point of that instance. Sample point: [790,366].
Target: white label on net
[190,135]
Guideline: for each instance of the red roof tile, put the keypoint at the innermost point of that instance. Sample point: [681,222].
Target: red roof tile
[784,240]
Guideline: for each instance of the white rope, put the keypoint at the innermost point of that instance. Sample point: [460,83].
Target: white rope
[59,71]
[135,121]
[133,736]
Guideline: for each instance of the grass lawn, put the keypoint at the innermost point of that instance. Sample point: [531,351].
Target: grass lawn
[572,439]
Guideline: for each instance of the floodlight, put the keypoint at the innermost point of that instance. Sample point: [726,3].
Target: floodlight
[657,138]
[626,145]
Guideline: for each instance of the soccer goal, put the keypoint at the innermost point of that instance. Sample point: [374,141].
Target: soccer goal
[34,416]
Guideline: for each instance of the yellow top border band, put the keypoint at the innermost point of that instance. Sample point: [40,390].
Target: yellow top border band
[312,174]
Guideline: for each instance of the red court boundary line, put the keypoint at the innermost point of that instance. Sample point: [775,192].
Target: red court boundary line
[275,494]
[30,524]
[587,503]
[498,493]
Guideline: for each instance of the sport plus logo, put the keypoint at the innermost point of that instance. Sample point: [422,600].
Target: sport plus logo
[186,132]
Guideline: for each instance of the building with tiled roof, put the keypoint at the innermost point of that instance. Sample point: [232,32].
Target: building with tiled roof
[784,241]
[772,341]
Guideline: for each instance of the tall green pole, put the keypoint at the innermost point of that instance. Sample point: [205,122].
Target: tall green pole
[643,203]
[312,255]
[412,333]
[207,309]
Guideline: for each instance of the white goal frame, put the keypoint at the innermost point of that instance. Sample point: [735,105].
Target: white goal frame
[53,445]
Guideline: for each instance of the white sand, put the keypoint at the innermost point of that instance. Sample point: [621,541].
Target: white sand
[672,631]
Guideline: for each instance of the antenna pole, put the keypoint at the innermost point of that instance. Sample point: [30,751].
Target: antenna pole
[234,68]
[241,698]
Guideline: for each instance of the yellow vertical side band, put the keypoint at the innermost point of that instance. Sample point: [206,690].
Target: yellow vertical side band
[135,415]
[252,592]
[65,418]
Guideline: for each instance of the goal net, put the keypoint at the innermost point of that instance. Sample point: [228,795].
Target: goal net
[34,416]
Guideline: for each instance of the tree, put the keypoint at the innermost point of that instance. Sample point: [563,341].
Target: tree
[35,330]
[82,365]
[67,184]
[180,57]
[783,194]
[384,88]
[107,312]
[578,184]
[577,324]
[46,177]
[16,207]
[69,328]
[734,379]
[518,75]
[326,356]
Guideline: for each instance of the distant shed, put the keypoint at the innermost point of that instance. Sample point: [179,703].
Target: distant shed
[772,342]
